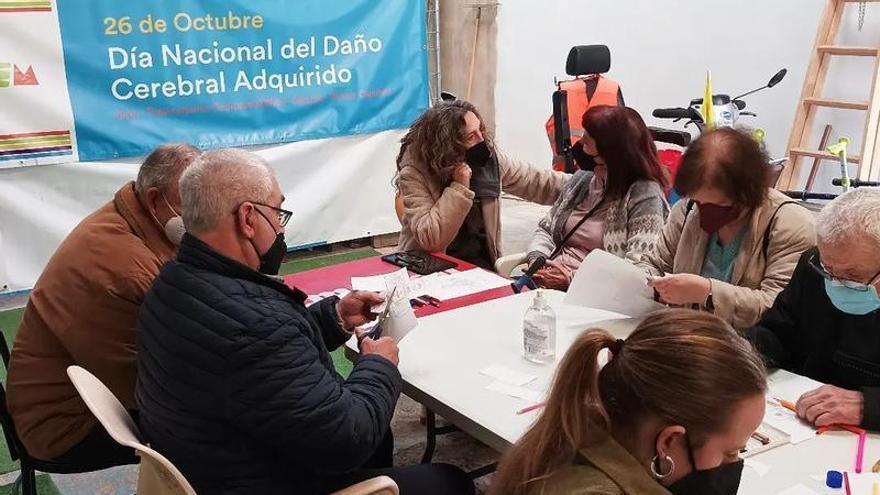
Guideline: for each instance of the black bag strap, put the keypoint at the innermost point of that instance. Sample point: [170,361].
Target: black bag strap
[574,229]
[765,246]
[688,208]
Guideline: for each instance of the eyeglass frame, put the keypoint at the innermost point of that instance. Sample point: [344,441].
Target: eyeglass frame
[817,267]
[284,216]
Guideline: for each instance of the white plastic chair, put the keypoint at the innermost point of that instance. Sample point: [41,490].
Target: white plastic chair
[156,475]
[381,485]
[507,265]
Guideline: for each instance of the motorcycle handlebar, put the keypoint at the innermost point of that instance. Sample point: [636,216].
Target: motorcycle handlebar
[676,113]
[803,195]
[856,183]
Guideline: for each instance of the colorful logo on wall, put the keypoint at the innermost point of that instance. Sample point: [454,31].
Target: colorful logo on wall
[29,145]
[12,75]
[25,6]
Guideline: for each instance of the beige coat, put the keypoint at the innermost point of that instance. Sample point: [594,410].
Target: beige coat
[435,211]
[605,468]
[755,281]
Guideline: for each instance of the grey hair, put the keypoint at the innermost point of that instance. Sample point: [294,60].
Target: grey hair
[851,215]
[163,166]
[218,182]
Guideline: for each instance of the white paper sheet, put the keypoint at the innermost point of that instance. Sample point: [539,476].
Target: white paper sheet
[450,286]
[313,298]
[760,468]
[507,375]
[788,386]
[381,283]
[607,282]
[798,490]
[781,418]
[526,394]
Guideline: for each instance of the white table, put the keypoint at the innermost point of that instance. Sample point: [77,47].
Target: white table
[440,362]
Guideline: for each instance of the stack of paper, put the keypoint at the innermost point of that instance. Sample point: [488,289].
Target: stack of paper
[382,283]
[441,285]
[444,286]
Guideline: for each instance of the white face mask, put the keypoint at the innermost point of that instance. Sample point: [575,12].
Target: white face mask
[174,227]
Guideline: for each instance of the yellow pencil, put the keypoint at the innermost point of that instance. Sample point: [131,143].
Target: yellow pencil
[876,489]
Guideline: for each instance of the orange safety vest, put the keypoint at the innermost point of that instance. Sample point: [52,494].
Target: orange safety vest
[579,101]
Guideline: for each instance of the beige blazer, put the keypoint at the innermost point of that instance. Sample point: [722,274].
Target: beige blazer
[435,211]
[756,279]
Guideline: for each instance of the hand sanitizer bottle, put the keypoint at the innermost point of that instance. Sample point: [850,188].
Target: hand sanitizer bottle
[539,331]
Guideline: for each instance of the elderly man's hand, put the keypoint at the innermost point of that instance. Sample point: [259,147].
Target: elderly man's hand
[829,405]
[354,309]
[385,347]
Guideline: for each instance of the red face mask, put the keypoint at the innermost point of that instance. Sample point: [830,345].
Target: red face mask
[713,217]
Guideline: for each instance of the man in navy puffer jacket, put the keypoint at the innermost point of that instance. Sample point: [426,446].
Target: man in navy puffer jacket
[235,383]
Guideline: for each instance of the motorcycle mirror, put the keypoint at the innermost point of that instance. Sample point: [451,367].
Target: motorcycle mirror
[777,78]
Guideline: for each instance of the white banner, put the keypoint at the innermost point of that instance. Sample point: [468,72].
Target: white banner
[338,189]
[36,120]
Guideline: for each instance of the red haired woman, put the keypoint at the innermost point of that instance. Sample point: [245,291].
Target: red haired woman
[619,206]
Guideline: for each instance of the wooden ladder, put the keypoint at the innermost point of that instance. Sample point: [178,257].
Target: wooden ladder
[868,160]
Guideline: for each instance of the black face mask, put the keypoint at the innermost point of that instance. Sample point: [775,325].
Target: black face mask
[478,155]
[721,480]
[270,261]
[582,159]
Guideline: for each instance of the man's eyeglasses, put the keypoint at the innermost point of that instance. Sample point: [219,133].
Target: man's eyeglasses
[284,216]
[816,265]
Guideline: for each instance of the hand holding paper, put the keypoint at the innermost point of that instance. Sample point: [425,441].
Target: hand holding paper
[355,308]
[682,288]
[607,282]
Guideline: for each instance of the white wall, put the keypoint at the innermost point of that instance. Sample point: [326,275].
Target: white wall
[660,53]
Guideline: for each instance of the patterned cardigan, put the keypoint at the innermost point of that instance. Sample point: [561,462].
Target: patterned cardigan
[633,224]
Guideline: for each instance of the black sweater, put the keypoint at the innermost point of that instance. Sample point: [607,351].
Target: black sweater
[806,334]
[236,386]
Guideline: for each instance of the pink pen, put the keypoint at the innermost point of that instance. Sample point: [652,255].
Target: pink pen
[860,454]
[531,408]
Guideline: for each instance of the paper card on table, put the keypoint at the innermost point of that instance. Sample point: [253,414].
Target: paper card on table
[381,283]
[607,282]
[507,375]
[783,419]
[451,286]
[798,490]
[514,391]
[760,468]
[766,437]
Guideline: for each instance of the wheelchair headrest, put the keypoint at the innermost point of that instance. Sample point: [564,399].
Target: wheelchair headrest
[588,59]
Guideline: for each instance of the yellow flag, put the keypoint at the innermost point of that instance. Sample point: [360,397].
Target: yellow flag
[708,107]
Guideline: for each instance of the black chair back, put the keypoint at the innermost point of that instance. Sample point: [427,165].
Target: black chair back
[12,441]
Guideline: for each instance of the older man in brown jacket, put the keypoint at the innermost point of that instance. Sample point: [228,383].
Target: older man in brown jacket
[82,311]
